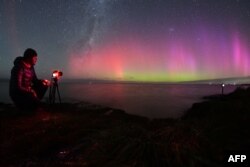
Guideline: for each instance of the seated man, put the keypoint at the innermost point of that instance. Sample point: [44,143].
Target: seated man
[25,89]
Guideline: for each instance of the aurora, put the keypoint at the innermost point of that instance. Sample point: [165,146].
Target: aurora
[129,40]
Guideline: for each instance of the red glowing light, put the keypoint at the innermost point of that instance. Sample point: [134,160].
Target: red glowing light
[56,74]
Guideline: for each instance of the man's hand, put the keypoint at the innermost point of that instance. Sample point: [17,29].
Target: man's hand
[46,82]
[33,93]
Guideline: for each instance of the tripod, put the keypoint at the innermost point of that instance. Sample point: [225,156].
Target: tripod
[52,91]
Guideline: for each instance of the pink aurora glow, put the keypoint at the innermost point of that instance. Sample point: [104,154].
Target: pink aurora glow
[181,58]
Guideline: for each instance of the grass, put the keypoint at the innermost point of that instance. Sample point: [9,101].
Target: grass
[89,135]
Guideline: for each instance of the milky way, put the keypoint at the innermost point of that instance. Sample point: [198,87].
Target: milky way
[130,40]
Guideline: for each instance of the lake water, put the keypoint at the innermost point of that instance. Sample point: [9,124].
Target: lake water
[150,100]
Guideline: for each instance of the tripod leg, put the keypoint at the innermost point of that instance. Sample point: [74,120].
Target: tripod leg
[50,95]
[53,94]
[58,93]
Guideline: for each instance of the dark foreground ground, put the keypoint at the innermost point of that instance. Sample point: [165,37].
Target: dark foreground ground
[89,135]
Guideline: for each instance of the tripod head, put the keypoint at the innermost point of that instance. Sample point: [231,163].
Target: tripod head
[57,74]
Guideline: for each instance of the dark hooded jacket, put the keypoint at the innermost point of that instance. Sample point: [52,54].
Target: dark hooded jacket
[22,78]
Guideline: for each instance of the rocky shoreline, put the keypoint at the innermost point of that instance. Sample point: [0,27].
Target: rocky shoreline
[84,134]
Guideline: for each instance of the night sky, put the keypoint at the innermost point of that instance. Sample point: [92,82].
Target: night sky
[129,40]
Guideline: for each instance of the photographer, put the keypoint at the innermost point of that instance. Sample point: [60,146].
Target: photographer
[25,89]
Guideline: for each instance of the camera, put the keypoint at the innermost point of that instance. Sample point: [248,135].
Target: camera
[57,74]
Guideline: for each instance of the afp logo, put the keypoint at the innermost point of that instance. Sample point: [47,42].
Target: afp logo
[236,159]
